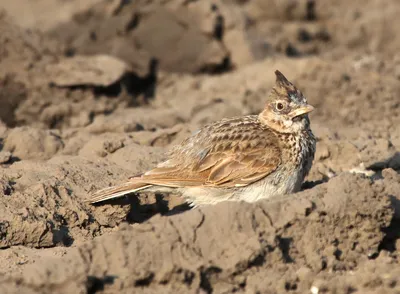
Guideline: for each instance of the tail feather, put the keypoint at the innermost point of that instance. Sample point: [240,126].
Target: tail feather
[117,191]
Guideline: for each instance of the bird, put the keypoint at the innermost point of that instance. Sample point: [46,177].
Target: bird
[244,158]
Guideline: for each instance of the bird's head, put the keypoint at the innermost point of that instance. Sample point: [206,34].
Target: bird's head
[286,110]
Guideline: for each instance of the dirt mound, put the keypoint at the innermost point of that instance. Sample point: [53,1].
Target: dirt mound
[93,92]
[301,237]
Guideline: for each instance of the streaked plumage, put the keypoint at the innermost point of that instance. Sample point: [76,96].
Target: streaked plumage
[243,158]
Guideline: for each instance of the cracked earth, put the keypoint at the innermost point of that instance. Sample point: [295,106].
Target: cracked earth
[82,108]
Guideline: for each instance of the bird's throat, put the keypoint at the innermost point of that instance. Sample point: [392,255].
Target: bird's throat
[280,126]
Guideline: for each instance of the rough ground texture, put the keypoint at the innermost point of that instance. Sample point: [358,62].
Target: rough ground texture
[92,92]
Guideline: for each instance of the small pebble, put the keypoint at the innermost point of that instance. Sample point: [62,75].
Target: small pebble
[5,156]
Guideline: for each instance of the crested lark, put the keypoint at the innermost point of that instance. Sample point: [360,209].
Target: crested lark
[244,158]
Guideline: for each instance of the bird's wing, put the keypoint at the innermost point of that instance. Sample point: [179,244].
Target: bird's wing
[229,153]
[232,153]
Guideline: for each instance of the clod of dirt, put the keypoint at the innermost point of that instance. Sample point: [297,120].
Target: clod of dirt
[96,70]
[171,34]
[42,203]
[232,246]
[31,143]
[5,156]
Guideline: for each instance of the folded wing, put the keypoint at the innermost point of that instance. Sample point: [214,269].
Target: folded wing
[234,153]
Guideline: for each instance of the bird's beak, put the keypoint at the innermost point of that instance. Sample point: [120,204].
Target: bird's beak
[301,110]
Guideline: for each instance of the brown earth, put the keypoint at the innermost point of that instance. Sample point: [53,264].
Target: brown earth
[93,92]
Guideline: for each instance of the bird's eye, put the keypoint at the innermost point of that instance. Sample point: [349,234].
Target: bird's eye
[279,106]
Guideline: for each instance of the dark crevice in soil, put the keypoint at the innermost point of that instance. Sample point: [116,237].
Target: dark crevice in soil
[284,246]
[95,284]
[146,281]
[206,276]
[214,69]
[392,234]
[311,184]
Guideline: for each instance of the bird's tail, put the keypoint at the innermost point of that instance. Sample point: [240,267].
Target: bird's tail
[117,191]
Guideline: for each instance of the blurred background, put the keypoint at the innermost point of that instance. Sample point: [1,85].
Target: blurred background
[89,67]
[337,52]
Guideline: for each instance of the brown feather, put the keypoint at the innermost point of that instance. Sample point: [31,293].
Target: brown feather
[117,191]
[235,152]
[230,153]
